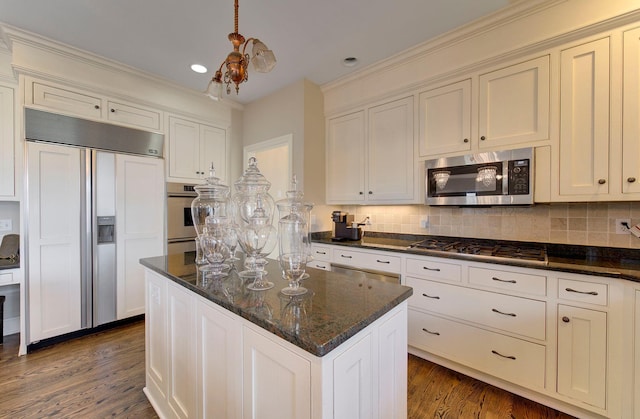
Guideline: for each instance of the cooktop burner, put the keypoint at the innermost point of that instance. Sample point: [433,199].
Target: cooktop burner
[530,252]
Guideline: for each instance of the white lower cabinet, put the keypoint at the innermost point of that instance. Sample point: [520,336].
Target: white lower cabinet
[505,357]
[277,382]
[204,361]
[182,362]
[582,354]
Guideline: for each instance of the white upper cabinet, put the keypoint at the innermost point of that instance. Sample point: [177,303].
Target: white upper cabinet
[7,155]
[193,147]
[512,104]
[370,156]
[631,113]
[58,98]
[584,119]
[445,119]
[346,159]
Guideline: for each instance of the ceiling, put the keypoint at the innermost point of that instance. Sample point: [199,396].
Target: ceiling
[310,38]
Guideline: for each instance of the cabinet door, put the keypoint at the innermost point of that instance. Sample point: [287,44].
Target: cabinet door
[137,116]
[584,119]
[182,353]
[445,119]
[7,155]
[140,222]
[631,113]
[346,155]
[213,149]
[219,363]
[353,389]
[277,382]
[514,104]
[392,367]
[390,169]
[67,101]
[582,354]
[184,149]
[54,240]
[155,329]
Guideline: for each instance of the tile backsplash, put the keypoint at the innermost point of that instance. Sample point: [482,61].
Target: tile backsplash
[575,223]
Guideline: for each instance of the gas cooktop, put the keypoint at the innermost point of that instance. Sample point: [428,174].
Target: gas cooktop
[488,250]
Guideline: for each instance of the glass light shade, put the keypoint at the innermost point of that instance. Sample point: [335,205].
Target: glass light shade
[263,59]
[487,175]
[214,90]
[441,179]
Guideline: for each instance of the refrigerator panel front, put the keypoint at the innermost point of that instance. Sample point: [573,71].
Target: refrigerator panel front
[104,238]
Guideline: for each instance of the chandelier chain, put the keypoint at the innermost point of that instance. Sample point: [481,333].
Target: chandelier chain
[236,17]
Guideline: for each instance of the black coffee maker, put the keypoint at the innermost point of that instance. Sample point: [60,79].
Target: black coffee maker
[344,227]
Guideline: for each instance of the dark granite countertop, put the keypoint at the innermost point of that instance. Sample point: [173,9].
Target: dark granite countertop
[337,307]
[9,264]
[610,262]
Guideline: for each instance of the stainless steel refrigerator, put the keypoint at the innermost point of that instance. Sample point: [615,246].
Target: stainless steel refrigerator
[95,206]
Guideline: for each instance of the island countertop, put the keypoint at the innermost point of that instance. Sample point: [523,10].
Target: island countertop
[335,308]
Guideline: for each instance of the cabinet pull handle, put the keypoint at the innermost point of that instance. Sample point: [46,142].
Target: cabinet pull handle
[435,297]
[504,356]
[510,281]
[346,256]
[466,140]
[321,266]
[431,269]
[483,138]
[321,253]
[503,313]
[382,261]
[581,292]
[631,179]
[96,106]
[602,181]
[430,332]
[113,110]
[565,319]
[361,193]
[370,192]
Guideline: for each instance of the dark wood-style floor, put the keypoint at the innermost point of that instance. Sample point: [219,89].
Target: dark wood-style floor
[102,375]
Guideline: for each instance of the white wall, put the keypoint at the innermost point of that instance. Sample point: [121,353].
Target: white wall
[297,110]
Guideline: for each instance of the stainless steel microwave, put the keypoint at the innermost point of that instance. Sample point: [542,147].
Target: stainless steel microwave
[483,179]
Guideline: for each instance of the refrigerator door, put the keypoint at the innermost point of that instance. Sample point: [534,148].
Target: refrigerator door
[104,239]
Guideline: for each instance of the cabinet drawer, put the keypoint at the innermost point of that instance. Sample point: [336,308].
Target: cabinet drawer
[433,268]
[320,264]
[132,115]
[67,101]
[517,315]
[582,291]
[506,280]
[321,252]
[505,357]
[374,261]
[6,278]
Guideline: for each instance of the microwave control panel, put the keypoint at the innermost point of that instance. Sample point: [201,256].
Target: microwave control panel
[519,176]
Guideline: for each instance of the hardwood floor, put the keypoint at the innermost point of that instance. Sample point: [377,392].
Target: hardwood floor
[102,375]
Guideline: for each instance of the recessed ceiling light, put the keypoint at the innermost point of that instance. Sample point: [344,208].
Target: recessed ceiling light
[198,68]
[350,62]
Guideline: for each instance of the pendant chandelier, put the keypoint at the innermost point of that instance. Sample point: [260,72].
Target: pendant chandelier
[237,62]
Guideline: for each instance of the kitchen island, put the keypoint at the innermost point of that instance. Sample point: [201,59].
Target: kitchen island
[216,349]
